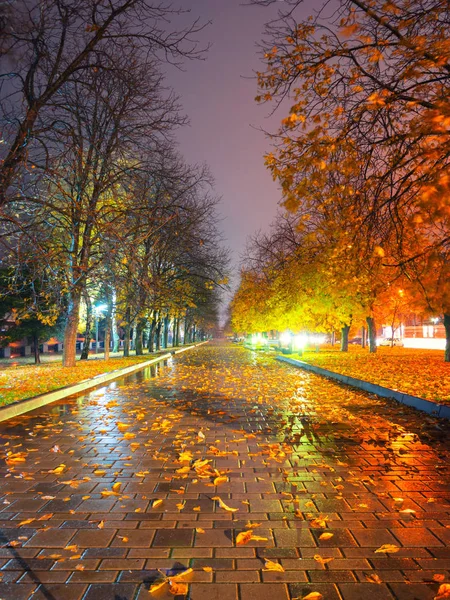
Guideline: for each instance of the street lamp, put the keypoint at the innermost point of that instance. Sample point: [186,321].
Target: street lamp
[98,312]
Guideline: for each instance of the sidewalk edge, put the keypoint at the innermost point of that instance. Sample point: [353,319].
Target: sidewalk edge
[28,404]
[432,408]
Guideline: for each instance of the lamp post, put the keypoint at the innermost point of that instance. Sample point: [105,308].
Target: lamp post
[98,312]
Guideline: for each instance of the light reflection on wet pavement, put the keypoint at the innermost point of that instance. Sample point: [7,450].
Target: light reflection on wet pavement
[297,455]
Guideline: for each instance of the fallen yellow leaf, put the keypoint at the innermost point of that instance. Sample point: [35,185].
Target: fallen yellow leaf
[223,505]
[270,565]
[387,549]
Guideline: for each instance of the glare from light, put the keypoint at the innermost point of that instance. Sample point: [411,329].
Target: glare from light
[285,338]
[300,341]
[100,309]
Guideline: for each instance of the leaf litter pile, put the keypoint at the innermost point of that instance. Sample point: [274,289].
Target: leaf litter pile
[26,381]
[229,457]
[421,373]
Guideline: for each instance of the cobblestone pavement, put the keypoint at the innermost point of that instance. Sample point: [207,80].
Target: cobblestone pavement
[105,494]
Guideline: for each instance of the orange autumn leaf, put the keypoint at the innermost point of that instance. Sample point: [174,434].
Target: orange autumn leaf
[387,549]
[321,560]
[178,589]
[223,505]
[243,537]
[156,587]
[443,592]
[250,525]
[181,576]
[219,480]
[270,565]
[122,427]
[373,578]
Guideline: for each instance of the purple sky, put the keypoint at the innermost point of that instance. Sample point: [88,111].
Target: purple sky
[218,95]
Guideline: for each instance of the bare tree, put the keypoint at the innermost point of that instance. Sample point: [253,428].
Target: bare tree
[48,44]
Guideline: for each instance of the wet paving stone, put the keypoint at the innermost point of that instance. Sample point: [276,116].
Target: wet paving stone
[104,493]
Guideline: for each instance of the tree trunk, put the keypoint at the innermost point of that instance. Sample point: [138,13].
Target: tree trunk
[166,331]
[108,325]
[186,330]
[363,337]
[344,338]
[126,341]
[371,334]
[87,334]
[37,357]
[447,337]
[194,333]
[114,332]
[140,326]
[17,152]
[158,335]
[151,334]
[176,333]
[71,328]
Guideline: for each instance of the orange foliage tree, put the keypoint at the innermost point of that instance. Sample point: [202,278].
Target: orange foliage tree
[367,134]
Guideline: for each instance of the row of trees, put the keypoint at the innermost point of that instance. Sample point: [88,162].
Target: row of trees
[362,156]
[96,203]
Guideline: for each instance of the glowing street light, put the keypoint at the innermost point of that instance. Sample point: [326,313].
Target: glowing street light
[299,342]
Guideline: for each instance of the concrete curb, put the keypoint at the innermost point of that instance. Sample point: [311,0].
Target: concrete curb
[428,406]
[29,404]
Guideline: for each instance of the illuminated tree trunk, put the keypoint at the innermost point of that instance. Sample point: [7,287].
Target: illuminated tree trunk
[151,335]
[114,333]
[108,326]
[126,341]
[166,331]
[139,332]
[186,330]
[87,334]
[176,334]
[158,335]
[70,330]
[447,337]
[344,338]
[371,334]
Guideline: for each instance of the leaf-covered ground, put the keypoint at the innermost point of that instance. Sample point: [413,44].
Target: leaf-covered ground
[421,373]
[228,476]
[26,381]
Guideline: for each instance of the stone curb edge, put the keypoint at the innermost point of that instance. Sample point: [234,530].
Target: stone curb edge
[29,404]
[432,408]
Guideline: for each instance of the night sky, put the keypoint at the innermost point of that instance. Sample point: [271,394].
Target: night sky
[218,95]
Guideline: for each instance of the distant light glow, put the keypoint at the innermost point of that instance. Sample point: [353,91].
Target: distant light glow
[100,309]
[299,341]
[425,343]
[285,338]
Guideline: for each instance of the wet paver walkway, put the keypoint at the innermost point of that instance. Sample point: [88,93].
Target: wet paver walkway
[103,495]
